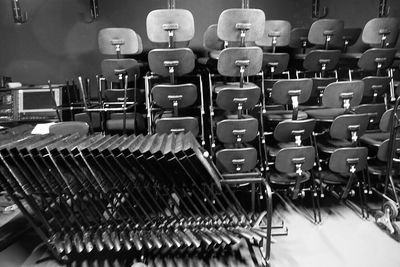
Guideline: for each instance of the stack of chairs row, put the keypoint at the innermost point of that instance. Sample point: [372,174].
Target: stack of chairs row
[172,89]
[130,197]
[307,132]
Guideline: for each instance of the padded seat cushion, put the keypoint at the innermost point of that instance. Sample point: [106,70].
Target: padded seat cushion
[233,85]
[287,178]
[325,113]
[273,150]
[331,144]
[85,118]
[332,178]
[117,124]
[280,115]
[374,139]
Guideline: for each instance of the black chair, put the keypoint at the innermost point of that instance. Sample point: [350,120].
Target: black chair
[338,98]
[344,176]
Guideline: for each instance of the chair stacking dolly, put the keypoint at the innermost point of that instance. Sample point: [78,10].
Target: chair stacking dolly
[130,197]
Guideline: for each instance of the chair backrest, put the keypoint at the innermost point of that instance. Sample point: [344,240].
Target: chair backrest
[342,159]
[279,61]
[231,131]
[351,35]
[234,160]
[376,85]
[177,125]
[386,120]
[276,34]
[349,126]
[288,160]
[380,31]
[288,130]
[183,95]
[229,98]
[383,149]
[112,68]
[374,111]
[69,127]
[326,30]
[299,38]
[160,22]
[319,85]
[117,95]
[370,59]
[211,41]
[316,60]
[283,90]
[124,40]
[182,59]
[232,22]
[345,94]
[232,58]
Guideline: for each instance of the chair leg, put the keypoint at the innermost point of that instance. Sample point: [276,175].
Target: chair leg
[315,200]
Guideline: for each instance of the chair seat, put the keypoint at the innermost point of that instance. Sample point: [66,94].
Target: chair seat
[280,115]
[329,145]
[95,119]
[273,150]
[115,122]
[287,178]
[325,113]
[332,178]
[374,139]
[233,85]
[241,175]
[302,107]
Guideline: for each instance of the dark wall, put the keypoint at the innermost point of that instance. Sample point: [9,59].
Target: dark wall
[58,44]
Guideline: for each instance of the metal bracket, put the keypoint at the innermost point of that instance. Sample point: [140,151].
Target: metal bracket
[94,10]
[316,10]
[384,8]
[19,16]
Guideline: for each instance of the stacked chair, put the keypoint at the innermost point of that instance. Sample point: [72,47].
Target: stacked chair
[119,79]
[276,35]
[290,161]
[381,35]
[341,160]
[167,96]
[323,58]
[326,35]
[115,108]
[234,95]
[385,146]
[233,99]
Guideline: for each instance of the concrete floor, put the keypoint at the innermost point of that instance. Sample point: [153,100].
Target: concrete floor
[343,239]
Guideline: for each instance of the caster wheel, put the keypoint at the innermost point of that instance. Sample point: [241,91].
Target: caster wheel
[392,208]
[378,215]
